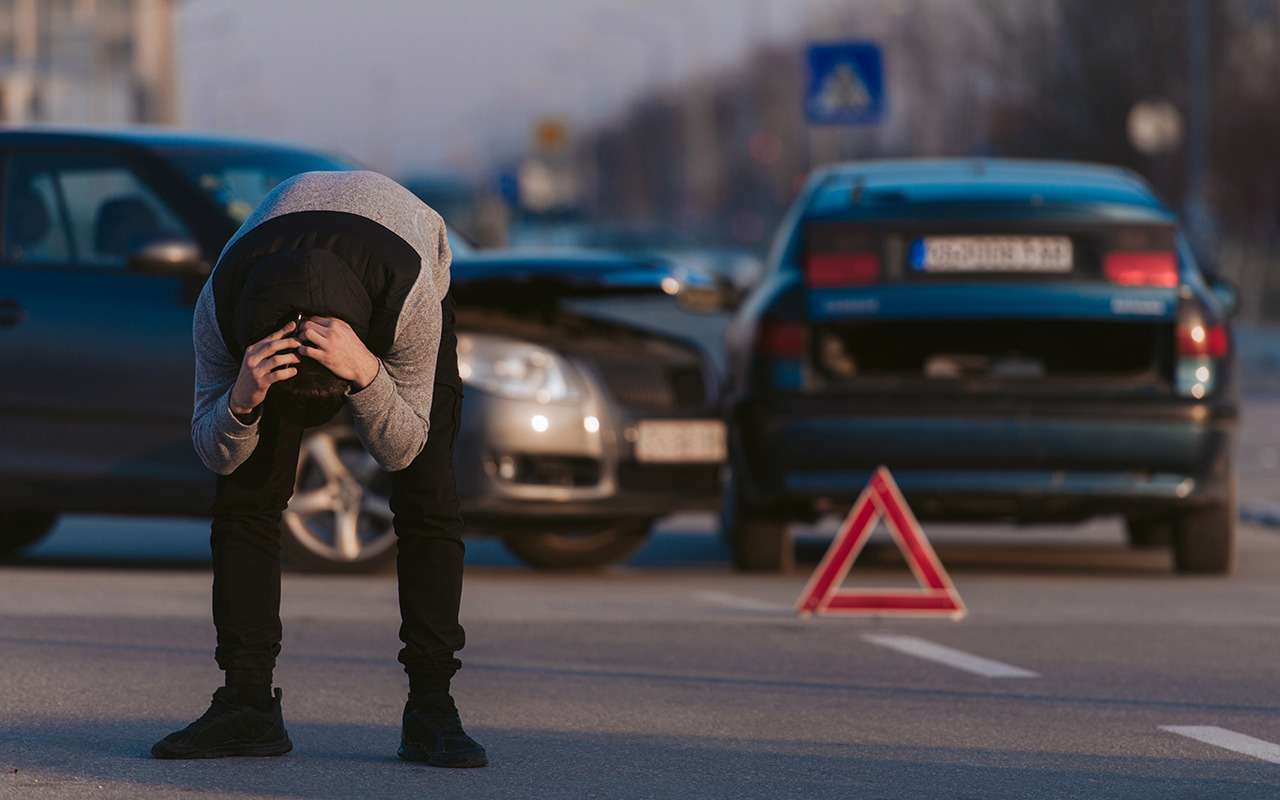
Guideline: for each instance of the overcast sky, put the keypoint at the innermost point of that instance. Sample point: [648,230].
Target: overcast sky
[447,84]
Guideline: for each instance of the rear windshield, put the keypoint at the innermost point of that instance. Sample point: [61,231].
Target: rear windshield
[847,194]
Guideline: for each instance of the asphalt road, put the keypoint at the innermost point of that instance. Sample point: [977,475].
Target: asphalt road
[1084,670]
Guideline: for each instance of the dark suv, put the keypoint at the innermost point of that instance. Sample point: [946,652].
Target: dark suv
[579,428]
[1014,340]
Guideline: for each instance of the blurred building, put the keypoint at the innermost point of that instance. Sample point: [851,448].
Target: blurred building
[108,62]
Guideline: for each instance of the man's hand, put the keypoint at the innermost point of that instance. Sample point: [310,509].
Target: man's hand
[259,370]
[331,342]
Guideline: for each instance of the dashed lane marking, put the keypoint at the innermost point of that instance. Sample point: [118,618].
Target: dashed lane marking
[956,659]
[727,600]
[1228,740]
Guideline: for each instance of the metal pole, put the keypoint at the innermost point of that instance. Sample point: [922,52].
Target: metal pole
[1199,78]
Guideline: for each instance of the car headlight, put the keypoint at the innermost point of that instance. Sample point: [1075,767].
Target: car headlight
[515,369]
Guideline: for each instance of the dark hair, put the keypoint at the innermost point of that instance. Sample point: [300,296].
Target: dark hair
[314,381]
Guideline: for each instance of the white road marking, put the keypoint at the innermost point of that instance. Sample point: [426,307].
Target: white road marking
[958,659]
[1228,740]
[737,601]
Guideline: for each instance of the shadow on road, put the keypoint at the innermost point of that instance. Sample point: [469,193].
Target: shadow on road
[355,760]
[182,545]
[1024,558]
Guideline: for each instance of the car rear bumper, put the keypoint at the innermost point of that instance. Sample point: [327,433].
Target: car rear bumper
[1027,494]
[1033,461]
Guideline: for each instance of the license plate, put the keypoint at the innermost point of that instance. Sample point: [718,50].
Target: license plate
[1038,254]
[680,441]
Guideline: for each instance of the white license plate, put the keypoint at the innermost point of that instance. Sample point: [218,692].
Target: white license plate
[1040,254]
[680,441]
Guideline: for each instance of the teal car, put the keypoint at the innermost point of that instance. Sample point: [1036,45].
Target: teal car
[1015,340]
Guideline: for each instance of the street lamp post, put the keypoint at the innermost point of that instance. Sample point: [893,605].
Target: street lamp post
[1200,74]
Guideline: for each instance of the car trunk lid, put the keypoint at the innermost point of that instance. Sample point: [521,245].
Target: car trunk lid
[1034,306]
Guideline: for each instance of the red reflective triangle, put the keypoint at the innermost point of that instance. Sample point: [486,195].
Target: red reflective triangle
[881,498]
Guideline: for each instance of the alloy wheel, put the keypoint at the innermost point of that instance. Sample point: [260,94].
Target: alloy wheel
[339,511]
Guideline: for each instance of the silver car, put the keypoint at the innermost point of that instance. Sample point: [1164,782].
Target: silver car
[583,421]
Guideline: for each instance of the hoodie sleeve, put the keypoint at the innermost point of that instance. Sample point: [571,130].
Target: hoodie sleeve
[392,415]
[222,441]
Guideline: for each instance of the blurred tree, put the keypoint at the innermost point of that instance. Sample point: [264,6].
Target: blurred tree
[1033,78]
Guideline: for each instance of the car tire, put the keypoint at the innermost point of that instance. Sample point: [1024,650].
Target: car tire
[1145,533]
[22,529]
[1204,541]
[561,550]
[757,543]
[339,519]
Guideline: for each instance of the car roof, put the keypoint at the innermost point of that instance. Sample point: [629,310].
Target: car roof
[977,180]
[139,136]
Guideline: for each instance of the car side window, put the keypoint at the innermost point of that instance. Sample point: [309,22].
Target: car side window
[81,211]
[33,232]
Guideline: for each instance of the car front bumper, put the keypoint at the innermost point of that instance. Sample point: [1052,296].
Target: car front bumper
[523,462]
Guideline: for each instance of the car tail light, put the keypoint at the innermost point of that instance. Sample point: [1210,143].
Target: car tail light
[1197,338]
[780,339]
[842,269]
[1141,268]
[1201,346]
[783,347]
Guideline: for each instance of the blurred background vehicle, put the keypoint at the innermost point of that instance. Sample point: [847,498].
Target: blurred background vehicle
[581,430]
[1021,340]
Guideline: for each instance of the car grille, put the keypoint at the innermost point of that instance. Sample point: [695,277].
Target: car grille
[684,479]
[547,470]
[648,386]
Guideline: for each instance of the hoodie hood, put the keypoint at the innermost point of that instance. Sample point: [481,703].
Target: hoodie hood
[365,194]
[290,283]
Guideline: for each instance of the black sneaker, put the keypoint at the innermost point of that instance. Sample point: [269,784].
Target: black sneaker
[229,728]
[432,732]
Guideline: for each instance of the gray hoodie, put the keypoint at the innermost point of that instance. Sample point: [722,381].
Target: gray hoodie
[391,415]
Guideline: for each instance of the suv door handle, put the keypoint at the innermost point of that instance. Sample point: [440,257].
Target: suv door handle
[11,314]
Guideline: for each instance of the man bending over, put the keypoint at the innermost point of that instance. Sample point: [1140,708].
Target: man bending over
[334,293]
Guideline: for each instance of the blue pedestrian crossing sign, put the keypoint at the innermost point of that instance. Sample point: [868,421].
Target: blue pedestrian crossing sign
[846,84]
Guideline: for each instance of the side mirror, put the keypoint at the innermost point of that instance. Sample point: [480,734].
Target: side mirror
[1227,294]
[168,257]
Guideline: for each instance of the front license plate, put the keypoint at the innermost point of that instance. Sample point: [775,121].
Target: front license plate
[1039,254]
[680,441]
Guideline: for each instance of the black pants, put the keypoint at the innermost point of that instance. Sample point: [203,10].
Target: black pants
[428,526]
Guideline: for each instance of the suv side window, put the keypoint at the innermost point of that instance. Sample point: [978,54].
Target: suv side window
[81,211]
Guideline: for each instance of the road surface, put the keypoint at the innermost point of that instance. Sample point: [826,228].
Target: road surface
[1084,670]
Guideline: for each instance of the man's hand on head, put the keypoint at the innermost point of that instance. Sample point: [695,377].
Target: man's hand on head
[265,363]
[331,342]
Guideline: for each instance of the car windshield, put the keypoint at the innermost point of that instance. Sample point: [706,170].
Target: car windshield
[238,178]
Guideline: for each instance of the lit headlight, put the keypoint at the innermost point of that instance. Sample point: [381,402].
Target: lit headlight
[515,369]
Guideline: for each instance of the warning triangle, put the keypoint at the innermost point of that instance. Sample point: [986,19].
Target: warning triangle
[881,499]
[843,92]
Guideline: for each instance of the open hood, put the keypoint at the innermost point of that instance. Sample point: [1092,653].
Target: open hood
[544,277]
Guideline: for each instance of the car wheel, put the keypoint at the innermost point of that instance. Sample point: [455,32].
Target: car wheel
[756,542]
[339,518]
[1149,534]
[1204,541]
[21,529]
[578,550]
